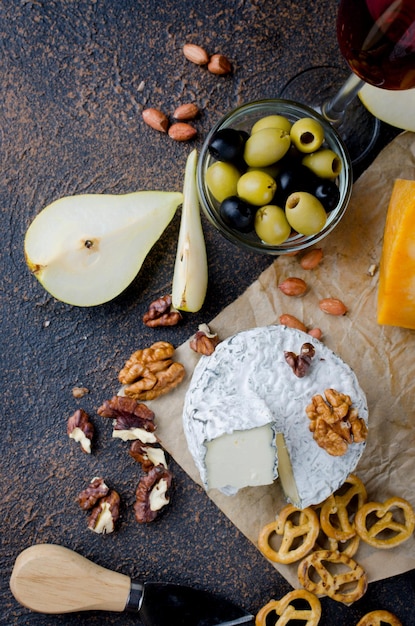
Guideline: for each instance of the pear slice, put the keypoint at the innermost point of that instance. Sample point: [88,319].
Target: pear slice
[86,249]
[190,276]
[393,107]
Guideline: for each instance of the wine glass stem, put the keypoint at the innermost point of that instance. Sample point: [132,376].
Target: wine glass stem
[333,110]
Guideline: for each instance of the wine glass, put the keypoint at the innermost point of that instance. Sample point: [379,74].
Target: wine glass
[377,39]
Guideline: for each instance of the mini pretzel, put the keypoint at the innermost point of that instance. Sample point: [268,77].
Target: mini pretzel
[348,547]
[386,532]
[335,515]
[377,618]
[285,611]
[346,587]
[291,524]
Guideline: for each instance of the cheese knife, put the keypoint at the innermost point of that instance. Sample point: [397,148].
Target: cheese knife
[49,578]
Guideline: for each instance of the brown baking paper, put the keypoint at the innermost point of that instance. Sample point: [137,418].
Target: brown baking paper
[382,358]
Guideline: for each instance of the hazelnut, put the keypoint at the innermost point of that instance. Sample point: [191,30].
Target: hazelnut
[195,54]
[181,131]
[186,112]
[293,286]
[333,306]
[156,119]
[219,65]
[292,322]
[311,259]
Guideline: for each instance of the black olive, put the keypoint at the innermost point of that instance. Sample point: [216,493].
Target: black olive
[328,193]
[227,145]
[294,177]
[237,214]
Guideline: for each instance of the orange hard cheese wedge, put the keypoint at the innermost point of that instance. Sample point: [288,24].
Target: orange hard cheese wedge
[396,294]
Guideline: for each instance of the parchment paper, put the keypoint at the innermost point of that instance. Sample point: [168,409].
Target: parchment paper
[383,358]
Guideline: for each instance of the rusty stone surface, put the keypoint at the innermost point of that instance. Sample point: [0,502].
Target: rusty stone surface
[75,77]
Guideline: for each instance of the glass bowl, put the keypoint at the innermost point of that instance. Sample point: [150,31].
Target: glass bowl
[243,118]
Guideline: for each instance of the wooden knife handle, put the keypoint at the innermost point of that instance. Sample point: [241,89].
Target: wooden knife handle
[49,578]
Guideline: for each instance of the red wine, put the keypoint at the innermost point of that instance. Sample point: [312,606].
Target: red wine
[377,39]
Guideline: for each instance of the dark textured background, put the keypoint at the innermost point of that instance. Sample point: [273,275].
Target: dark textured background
[70,123]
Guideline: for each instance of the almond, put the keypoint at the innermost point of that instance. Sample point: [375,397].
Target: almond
[311,259]
[182,131]
[293,286]
[333,306]
[195,54]
[292,322]
[156,119]
[219,65]
[186,111]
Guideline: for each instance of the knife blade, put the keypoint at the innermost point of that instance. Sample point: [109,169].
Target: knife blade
[52,579]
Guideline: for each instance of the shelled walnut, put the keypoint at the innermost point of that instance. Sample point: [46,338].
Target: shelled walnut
[161,313]
[204,341]
[334,423]
[105,514]
[151,372]
[152,494]
[132,419]
[148,455]
[80,428]
[79,392]
[300,363]
[90,495]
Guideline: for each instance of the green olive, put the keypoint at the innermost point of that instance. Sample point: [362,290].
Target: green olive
[271,224]
[325,163]
[256,187]
[305,213]
[273,170]
[272,121]
[221,179]
[266,146]
[307,134]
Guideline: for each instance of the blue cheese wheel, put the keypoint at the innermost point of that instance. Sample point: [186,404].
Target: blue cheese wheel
[245,393]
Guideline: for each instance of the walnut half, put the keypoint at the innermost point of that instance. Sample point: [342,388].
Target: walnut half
[132,419]
[148,455]
[161,313]
[204,341]
[300,363]
[89,497]
[151,372]
[80,428]
[334,423]
[152,494]
[105,514]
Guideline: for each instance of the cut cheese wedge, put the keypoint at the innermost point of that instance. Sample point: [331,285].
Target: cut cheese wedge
[242,458]
[285,471]
[244,394]
[396,294]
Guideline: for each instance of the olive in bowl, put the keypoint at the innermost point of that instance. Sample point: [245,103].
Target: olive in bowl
[274,177]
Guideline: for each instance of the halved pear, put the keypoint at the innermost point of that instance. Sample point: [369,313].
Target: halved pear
[393,107]
[86,249]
